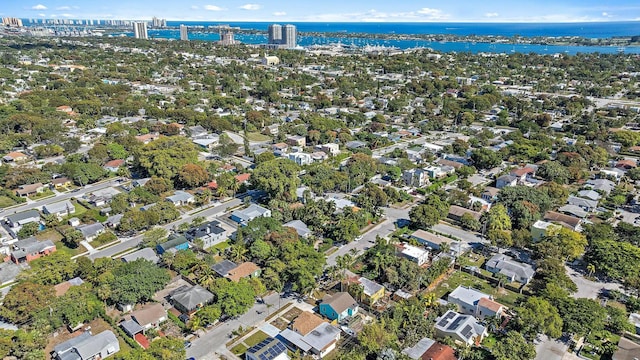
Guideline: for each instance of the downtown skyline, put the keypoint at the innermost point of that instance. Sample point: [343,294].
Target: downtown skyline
[330,11]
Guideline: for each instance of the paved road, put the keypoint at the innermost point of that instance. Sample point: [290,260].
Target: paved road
[212,343]
[129,243]
[38,204]
[550,349]
[463,235]
[383,230]
[587,288]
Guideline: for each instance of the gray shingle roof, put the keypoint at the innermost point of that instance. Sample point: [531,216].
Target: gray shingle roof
[190,297]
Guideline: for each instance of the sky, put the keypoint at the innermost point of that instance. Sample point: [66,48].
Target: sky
[331,10]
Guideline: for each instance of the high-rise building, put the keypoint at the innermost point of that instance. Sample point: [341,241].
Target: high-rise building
[156,22]
[184,33]
[11,21]
[226,37]
[289,36]
[275,34]
[140,30]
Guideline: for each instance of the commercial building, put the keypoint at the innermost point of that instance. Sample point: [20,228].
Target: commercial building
[184,32]
[283,36]
[140,30]
[275,34]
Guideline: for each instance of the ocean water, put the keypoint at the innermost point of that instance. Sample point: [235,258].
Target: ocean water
[586,30]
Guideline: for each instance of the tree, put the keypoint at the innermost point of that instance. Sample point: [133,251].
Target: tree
[73,237]
[571,244]
[233,298]
[484,158]
[28,230]
[514,346]
[536,316]
[279,178]
[153,237]
[136,281]
[25,300]
[498,225]
[469,222]
[51,270]
[375,337]
[193,175]
[581,316]
[166,156]
[554,171]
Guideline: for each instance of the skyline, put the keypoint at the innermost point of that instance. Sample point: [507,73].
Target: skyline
[331,11]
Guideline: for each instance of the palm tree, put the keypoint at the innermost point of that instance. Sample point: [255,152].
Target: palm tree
[207,277]
[591,269]
[235,186]
[238,252]
[502,279]
[195,324]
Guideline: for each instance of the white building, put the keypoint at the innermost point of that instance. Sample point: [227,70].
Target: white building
[140,30]
[413,253]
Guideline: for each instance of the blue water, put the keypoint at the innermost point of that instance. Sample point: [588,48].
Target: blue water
[586,30]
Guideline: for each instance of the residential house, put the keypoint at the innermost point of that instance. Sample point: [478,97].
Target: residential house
[506,180]
[114,220]
[267,349]
[586,204]
[60,209]
[188,299]
[140,182]
[211,233]
[243,217]
[113,165]
[87,347]
[415,177]
[61,182]
[430,350]
[300,228]
[456,213]
[150,316]
[604,185]
[490,194]
[74,221]
[540,228]
[413,253]
[18,220]
[280,148]
[461,328]
[355,144]
[197,131]
[626,164]
[297,140]
[513,270]
[146,254]
[488,308]
[590,194]
[318,342]
[300,158]
[447,162]
[371,291]
[466,298]
[567,221]
[147,138]
[523,173]
[430,240]
[181,198]
[29,249]
[243,178]
[91,231]
[174,244]
[338,306]
[15,157]
[573,210]
[29,190]
[244,270]
[628,349]
[436,172]
[208,142]
[224,267]
[329,148]
[306,322]
[63,287]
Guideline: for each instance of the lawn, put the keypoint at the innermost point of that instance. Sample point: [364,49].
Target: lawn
[239,349]
[256,136]
[6,201]
[46,193]
[503,296]
[219,247]
[255,338]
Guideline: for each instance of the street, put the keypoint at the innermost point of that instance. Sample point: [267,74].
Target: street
[461,234]
[135,241]
[214,341]
[587,288]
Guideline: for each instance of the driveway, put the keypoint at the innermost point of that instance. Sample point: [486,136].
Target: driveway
[549,349]
[463,235]
[213,342]
[587,288]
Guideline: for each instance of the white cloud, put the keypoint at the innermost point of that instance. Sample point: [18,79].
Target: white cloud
[42,15]
[434,14]
[195,7]
[279,13]
[63,8]
[491,15]
[67,15]
[213,8]
[39,7]
[250,7]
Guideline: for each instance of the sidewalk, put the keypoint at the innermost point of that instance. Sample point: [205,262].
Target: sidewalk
[89,248]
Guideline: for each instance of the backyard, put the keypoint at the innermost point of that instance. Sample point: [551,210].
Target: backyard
[501,295]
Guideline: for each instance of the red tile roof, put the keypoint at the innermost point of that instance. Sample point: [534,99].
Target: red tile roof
[142,340]
[243,177]
[439,351]
[114,163]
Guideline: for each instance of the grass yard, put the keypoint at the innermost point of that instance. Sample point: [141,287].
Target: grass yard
[6,201]
[280,323]
[239,349]
[255,338]
[42,195]
[503,296]
[292,314]
[256,136]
